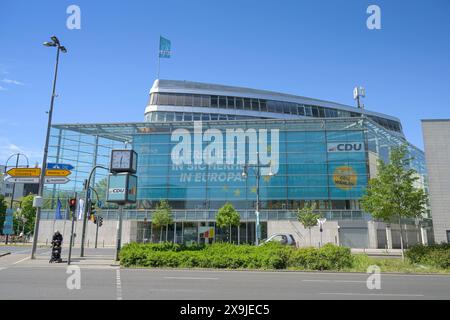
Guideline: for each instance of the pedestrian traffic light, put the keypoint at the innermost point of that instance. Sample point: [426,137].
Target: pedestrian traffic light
[72,204]
[100,221]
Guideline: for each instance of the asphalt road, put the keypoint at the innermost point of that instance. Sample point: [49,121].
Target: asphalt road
[100,278]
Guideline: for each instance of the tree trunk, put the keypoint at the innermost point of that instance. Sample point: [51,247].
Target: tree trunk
[401,238]
[309,236]
[160,234]
[229,234]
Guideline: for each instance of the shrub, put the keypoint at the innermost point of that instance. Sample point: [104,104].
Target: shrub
[437,255]
[230,256]
[329,257]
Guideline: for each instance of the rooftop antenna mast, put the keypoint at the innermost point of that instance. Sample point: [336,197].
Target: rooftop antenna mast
[358,93]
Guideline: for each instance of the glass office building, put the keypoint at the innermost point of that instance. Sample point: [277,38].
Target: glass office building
[317,151]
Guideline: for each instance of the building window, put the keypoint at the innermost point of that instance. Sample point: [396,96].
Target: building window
[187,117]
[301,109]
[321,112]
[255,105]
[169,116]
[214,102]
[179,100]
[222,102]
[206,101]
[172,100]
[247,105]
[197,101]
[263,105]
[163,98]
[271,107]
[188,100]
[239,103]
[315,112]
[230,102]
[153,98]
[308,111]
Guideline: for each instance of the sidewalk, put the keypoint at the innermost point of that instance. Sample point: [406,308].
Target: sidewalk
[93,258]
[379,252]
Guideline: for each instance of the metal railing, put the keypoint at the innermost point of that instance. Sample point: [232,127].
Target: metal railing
[210,214]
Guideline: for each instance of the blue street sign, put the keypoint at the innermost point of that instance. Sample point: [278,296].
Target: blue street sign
[8,224]
[60,166]
[99,204]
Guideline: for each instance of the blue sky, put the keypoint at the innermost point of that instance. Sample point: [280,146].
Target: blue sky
[319,49]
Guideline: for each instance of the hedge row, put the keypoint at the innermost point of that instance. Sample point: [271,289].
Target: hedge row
[229,256]
[437,255]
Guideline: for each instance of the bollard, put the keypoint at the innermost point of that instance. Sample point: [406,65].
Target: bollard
[46,242]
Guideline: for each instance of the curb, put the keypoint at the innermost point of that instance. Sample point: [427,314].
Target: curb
[4,254]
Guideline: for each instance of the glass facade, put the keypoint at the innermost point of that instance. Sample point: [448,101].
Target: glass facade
[326,161]
[259,105]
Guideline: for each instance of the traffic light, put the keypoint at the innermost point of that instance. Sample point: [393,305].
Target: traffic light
[72,204]
[100,221]
[92,211]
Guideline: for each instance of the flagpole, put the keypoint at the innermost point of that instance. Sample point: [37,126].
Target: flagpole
[65,219]
[159,62]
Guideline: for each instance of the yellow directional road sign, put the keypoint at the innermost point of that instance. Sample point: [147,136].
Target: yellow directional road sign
[24,172]
[57,173]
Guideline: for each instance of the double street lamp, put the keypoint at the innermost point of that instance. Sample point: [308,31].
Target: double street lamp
[257,171]
[59,48]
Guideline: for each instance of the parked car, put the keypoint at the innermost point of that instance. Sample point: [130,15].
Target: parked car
[283,238]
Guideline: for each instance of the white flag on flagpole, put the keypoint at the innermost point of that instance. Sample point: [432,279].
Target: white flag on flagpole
[80,209]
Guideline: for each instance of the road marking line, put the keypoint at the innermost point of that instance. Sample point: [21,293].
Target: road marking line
[118,285]
[372,294]
[22,260]
[337,281]
[190,278]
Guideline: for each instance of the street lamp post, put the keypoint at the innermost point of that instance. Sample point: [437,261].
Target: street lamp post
[257,170]
[321,222]
[54,43]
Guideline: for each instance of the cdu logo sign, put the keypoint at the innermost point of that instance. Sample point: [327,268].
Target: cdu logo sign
[345,147]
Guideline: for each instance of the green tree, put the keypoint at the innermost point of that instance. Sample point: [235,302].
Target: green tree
[3,207]
[227,216]
[308,218]
[101,187]
[162,216]
[29,213]
[393,194]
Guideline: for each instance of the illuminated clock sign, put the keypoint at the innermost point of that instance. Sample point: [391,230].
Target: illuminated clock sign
[122,188]
[123,161]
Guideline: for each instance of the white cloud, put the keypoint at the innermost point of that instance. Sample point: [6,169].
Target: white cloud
[10,81]
[2,88]
[3,69]
[7,148]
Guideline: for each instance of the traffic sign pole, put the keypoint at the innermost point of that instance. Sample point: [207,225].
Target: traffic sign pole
[87,188]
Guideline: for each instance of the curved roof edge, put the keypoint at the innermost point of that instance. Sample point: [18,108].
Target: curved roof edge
[183,86]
